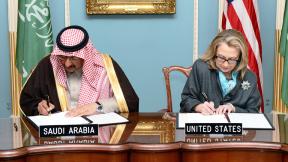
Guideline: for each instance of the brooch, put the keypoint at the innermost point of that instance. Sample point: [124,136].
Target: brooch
[245,85]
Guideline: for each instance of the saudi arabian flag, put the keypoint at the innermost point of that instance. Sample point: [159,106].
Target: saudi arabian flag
[34,35]
[284,52]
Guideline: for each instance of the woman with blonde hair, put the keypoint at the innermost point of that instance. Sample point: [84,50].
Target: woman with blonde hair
[220,81]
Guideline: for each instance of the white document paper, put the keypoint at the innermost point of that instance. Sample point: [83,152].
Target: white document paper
[61,119]
[199,118]
[108,118]
[250,120]
[57,119]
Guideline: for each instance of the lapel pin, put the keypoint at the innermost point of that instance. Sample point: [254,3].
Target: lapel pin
[245,85]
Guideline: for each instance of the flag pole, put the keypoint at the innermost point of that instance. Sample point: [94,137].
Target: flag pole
[220,12]
[14,74]
[195,32]
[278,104]
[67,13]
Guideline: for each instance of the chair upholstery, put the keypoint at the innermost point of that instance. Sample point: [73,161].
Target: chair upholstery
[166,71]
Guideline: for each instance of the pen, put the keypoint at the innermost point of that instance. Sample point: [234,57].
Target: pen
[205,96]
[48,100]
[87,119]
[227,117]
[48,103]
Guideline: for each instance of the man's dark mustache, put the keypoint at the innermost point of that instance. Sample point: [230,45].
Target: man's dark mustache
[72,66]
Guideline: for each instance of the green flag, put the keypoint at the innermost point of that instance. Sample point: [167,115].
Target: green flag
[34,35]
[284,52]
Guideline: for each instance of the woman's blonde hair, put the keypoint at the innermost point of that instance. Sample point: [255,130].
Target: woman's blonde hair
[234,39]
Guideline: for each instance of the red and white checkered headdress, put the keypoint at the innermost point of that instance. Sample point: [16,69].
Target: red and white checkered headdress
[74,41]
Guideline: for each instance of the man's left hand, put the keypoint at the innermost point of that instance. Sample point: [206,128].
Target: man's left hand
[89,109]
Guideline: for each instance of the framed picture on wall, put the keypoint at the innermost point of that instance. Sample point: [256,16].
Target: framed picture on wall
[153,131]
[99,7]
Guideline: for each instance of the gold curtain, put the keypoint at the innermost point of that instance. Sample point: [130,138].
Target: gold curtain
[278,104]
[14,74]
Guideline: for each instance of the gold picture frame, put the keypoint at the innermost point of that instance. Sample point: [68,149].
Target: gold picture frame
[161,130]
[100,7]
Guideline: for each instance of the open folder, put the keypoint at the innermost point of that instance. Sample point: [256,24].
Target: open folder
[248,120]
[61,119]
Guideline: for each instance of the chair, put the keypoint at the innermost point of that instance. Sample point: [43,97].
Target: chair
[166,71]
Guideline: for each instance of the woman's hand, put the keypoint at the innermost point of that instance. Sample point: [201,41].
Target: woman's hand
[227,108]
[206,108]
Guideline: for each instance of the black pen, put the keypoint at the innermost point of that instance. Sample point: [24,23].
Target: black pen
[205,96]
[87,119]
[227,117]
[48,100]
[48,103]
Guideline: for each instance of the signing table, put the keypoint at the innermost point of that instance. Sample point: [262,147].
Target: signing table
[147,137]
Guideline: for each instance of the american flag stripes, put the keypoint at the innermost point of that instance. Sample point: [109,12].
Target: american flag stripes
[242,15]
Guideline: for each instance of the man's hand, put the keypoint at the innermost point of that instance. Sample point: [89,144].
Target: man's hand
[89,109]
[225,108]
[43,107]
[206,108]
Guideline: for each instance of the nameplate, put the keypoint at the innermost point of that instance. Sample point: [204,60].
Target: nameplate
[213,128]
[54,141]
[205,139]
[68,130]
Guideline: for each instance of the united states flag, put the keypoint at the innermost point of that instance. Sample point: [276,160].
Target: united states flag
[242,15]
